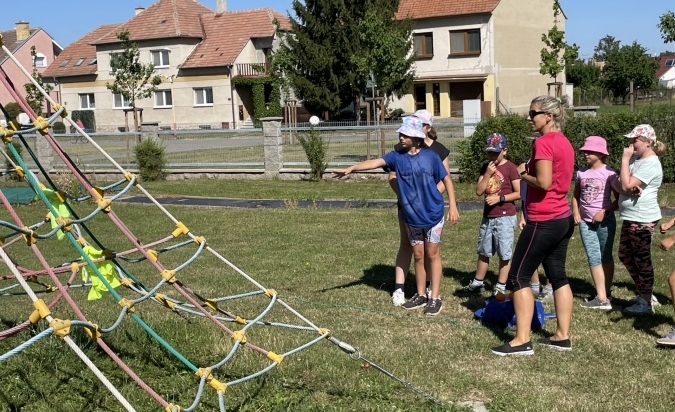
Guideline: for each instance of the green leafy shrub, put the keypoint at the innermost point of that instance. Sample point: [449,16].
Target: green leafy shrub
[316,150]
[59,127]
[150,156]
[516,128]
[86,117]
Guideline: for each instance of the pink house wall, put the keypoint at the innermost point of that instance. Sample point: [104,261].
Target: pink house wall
[43,44]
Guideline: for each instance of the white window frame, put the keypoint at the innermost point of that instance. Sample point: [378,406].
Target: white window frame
[40,60]
[125,102]
[161,56]
[203,93]
[90,101]
[162,94]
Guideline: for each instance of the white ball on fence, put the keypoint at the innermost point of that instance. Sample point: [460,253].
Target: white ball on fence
[314,120]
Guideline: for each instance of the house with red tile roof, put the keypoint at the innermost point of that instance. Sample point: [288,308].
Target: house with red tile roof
[666,71]
[486,50]
[19,42]
[197,52]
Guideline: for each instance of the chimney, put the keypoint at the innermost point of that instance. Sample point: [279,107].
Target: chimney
[22,30]
[138,10]
[221,6]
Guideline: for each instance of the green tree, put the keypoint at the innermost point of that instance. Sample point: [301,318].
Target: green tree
[667,26]
[324,59]
[34,96]
[605,46]
[584,75]
[557,52]
[133,79]
[629,63]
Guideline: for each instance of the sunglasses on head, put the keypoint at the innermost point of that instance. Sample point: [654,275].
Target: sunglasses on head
[534,113]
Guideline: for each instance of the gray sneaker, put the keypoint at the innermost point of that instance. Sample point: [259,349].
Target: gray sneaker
[545,296]
[434,307]
[668,340]
[596,303]
[415,302]
[471,288]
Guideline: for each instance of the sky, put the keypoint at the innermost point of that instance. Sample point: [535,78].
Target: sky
[587,20]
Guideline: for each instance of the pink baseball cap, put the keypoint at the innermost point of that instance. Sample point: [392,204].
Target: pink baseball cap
[595,144]
[642,130]
[425,117]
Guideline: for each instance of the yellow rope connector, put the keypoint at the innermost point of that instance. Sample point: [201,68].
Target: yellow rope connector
[163,300]
[204,372]
[127,282]
[31,237]
[173,408]
[270,293]
[239,335]
[129,304]
[61,327]
[104,204]
[199,240]
[50,289]
[240,320]
[42,124]
[41,311]
[19,171]
[218,385]
[74,267]
[181,229]
[98,191]
[275,358]
[324,331]
[81,241]
[211,304]
[153,255]
[169,275]
[130,176]
[96,334]
[67,223]
[57,107]
[6,135]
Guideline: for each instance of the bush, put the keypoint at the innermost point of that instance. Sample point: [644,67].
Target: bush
[59,128]
[516,128]
[316,150]
[13,109]
[86,117]
[151,159]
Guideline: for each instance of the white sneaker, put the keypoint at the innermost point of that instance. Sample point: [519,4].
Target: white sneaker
[639,308]
[398,297]
[655,302]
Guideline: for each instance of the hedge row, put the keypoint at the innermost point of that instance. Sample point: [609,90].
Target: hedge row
[611,126]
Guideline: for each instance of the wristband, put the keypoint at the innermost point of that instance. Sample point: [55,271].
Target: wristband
[502,199]
[523,172]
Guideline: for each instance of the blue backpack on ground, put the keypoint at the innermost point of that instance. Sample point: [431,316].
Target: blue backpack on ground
[503,313]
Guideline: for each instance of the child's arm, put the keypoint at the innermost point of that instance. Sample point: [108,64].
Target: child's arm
[392,182]
[453,213]
[667,243]
[365,165]
[575,203]
[440,186]
[511,197]
[629,184]
[484,179]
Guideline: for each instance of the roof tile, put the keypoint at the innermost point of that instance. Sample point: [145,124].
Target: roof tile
[83,48]
[424,9]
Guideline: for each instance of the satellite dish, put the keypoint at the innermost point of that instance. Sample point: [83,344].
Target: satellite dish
[23,118]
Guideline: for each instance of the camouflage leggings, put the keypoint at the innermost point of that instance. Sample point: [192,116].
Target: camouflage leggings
[635,253]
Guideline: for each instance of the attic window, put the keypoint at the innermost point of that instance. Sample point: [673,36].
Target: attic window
[40,60]
[93,61]
[64,63]
[670,63]
[79,61]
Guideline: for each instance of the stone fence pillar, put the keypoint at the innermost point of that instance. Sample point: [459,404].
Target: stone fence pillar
[272,144]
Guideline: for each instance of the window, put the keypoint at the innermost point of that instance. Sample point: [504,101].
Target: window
[79,62]
[163,98]
[119,101]
[424,45]
[87,101]
[40,60]
[204,96]
[93,61]
[63,64]
[160,58]
[670,62]
[465,42]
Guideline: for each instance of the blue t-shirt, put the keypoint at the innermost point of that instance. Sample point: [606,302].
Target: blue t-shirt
[417,176]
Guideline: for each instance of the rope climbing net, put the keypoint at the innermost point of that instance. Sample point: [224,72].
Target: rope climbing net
[103,263]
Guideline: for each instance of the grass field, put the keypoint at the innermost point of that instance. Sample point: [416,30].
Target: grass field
[334,266]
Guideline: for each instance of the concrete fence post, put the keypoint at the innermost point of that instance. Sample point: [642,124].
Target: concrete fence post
[45,152]
[273,145]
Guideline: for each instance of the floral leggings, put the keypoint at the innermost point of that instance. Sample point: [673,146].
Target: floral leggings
[635,253]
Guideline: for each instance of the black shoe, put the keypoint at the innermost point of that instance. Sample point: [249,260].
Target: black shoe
[434,307]
[561,345]
[415,302]
[507,350]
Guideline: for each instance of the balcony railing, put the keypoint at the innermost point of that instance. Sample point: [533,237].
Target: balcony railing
[252,69]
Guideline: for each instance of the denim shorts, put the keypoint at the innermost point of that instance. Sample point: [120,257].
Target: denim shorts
[421,235]
[598,240]
[495,236]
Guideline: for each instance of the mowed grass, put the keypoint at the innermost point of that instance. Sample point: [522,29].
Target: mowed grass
[335,267]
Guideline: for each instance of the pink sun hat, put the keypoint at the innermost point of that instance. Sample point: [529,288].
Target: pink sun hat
[425,116]
[595,144]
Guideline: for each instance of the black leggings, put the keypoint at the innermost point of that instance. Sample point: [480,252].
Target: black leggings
[542,243]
